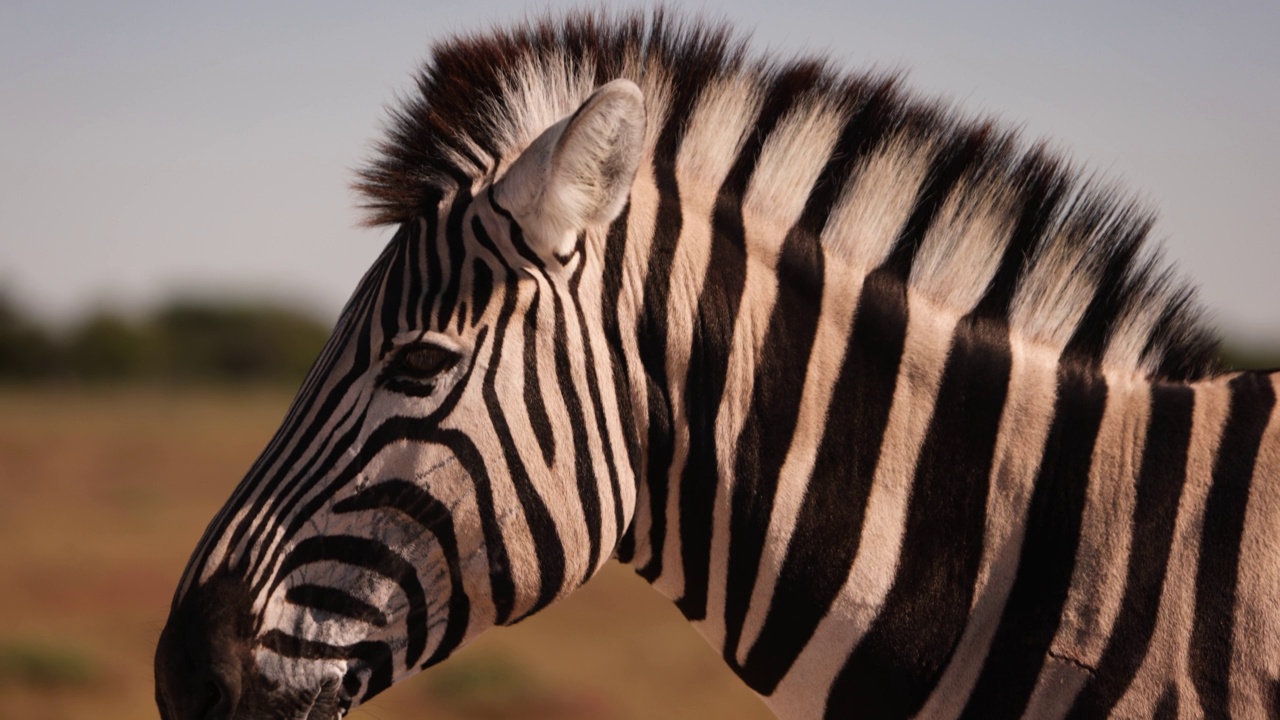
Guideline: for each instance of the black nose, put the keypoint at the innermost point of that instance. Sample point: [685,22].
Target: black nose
[192,687]
[220,695]
[200,657]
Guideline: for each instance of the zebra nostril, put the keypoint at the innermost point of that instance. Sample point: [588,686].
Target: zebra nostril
[214,692]
[219,697]
[214,702]
[196,679]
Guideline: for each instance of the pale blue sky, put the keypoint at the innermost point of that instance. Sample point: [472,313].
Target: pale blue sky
[148,148]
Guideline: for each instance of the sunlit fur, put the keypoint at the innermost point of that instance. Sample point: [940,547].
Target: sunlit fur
[898,411]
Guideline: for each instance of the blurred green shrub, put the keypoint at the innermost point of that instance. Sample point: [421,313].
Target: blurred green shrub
[30,663]
[184,341]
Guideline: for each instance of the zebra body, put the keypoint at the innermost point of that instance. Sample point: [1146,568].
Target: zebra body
[892,408]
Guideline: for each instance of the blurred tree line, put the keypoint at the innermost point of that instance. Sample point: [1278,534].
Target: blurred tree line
[184,341]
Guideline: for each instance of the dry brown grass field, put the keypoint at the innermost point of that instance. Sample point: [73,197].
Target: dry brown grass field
[102,497]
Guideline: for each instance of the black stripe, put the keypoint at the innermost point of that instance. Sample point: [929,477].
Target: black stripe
[893,670]
[482,235]
[766,435]
[611,293]
[827,530]
[962,151]
[1043,187]
[1274,710]
[481,289]
[461,315]
[457,252]
[1048,554]
[435,275]
[779,384]
[376,558]
[1253,399]
[413,308]
[707,58]
[392,294]
[1167,708]
[1111,292]
[516,236]
[712,342]
[407,300]
[338,602]
[597,406]
[501,583]
[375,657]
[433,516]
[651,327]
[1160,481]
[539,420]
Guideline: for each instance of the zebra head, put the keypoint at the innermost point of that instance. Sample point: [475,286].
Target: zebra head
[445,466]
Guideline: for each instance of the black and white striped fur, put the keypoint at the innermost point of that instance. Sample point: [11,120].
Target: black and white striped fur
[898,411]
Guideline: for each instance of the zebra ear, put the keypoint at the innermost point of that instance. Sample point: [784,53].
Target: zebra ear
[578,173]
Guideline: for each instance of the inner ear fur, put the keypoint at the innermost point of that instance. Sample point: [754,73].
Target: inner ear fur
[578,173]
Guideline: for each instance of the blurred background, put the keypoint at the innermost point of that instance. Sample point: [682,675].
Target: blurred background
[177,236]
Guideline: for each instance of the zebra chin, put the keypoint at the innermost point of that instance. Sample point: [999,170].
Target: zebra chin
[210,666]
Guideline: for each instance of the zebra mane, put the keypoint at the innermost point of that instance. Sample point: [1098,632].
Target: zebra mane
[1066,264]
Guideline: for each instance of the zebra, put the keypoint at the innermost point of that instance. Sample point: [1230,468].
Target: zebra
[901,412]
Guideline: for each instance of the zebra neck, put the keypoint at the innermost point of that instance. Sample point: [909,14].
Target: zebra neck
[850,459]
[705,315]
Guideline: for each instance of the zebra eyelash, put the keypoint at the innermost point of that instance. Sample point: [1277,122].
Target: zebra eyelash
[406,387]
[400,375]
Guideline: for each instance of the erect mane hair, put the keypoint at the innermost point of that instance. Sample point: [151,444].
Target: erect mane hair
[1075,271]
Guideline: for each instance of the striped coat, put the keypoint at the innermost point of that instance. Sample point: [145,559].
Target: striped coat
[896,409]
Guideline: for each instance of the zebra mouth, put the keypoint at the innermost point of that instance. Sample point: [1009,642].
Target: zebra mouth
[328,704]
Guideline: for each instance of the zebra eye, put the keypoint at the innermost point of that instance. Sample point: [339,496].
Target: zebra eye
[425,361]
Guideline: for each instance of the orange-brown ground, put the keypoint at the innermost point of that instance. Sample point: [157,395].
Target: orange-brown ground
[102,497]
